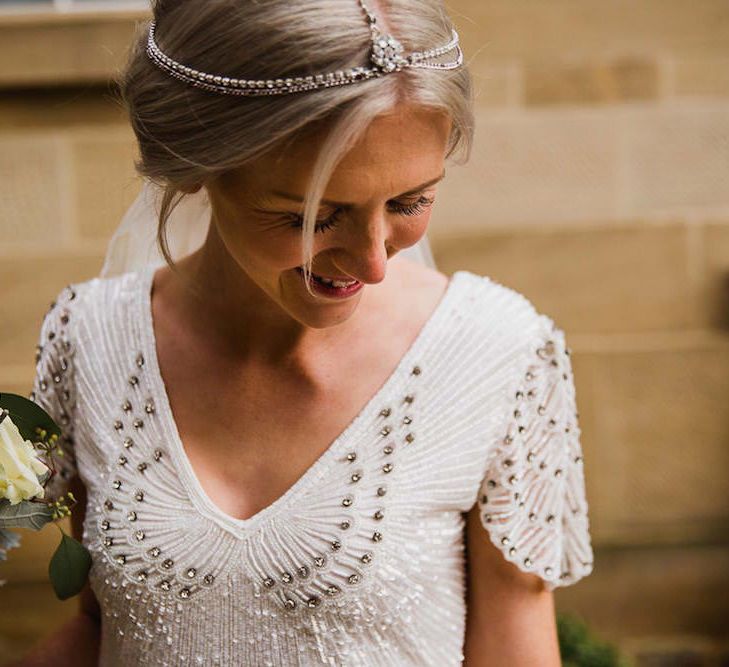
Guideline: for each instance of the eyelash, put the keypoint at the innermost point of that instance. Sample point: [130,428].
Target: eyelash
[403,209]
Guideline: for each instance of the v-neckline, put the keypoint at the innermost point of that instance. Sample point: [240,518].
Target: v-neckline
[197,494]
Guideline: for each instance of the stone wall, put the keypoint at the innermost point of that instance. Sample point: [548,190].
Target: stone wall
[598,187]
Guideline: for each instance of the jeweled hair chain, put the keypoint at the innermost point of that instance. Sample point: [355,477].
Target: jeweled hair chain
[386,56]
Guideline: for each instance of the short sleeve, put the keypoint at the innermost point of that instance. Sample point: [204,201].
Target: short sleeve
[532,500]
[54,386]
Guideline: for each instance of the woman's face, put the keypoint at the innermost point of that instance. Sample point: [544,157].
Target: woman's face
[379,201]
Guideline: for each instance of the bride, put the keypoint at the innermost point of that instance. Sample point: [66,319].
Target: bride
[296,441]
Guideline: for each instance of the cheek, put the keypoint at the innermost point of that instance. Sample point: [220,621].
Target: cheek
[271,248]
[413,230]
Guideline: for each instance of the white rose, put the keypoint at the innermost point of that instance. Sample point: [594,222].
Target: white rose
[19,466]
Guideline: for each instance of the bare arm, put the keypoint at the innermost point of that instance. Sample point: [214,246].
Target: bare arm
[76,643]
[510,618]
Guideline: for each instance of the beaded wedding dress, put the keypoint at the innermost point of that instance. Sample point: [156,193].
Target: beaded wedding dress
[361,561]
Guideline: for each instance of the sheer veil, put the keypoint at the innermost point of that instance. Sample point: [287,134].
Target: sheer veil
[133,245]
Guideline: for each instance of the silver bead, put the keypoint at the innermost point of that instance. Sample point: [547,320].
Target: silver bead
[133,380]
[312,602]
[416,370]
[208,579]
[366,558]
[347,501]
[512,551]
[116,484]
[139,496]
[108,504]
[142,466]
[407,420]
[117,424]
[157,454]
[356,477]
[532,516]
[268,582]
[132,515]
[351,457]
[504,540]
[105,525]
[290,603]
[287,577]
[167,563]
[353,579]
[385,430]
[184,593]
[409,398]
[332,589]
[122,460]
[528,562]
[387,449]
[550,518]
[377,536]
[138,423]
[149,407]
[387,467]
[409,437]
[128,443]
[139,535]
[385,412]
[336,545]
[126,406]
[378,515]
[191,572]
[108,541]
[302,571]
[165,585]
[140,360]
[344,525]
[142,576]
[154,552]
[121,559]
[320,561]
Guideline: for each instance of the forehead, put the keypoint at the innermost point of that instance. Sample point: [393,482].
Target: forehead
[396,152]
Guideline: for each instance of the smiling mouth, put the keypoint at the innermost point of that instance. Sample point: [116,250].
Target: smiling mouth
[329,281]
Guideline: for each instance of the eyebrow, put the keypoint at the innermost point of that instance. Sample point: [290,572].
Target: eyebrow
[329,202]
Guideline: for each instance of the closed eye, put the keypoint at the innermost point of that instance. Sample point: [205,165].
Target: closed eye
[415,208]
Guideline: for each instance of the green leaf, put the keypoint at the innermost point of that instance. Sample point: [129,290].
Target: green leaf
[25,514]
[69,567]
[27,415]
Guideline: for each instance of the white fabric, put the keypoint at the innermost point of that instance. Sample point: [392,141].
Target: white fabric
[134,245]
[479,412]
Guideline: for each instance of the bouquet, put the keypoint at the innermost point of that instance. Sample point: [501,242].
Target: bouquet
[28,443]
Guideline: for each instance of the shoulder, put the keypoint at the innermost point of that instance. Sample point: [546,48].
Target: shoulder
[78,302]
[499,313]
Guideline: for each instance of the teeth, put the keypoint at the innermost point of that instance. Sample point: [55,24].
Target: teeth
[334,283]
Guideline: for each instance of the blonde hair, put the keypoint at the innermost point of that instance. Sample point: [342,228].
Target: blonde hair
[187,135]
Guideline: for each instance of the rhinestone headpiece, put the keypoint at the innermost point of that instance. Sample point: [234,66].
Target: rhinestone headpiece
[386,56]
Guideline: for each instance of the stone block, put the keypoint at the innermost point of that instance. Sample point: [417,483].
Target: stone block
[640,592]
[588,83]
[27,287]
[33,186]
[105,182]
[64,49]
[56,108]
[676,159]
[607,279]
[654,433]
[700,77]
[548,166]
[536,31]
[715,264]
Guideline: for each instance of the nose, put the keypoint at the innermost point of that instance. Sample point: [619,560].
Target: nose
[365,252]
